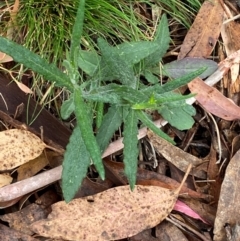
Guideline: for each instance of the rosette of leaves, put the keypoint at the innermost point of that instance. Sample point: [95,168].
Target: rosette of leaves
[112,76]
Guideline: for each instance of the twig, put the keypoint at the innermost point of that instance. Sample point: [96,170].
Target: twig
[182,225]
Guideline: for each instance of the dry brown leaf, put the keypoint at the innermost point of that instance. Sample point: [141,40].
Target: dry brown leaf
[24,88]
[32,167]
[235,145]
[229,33]
[9,203]
[228,205]
[203,34]
[48,198]
[230,36]
[18,147]
[214,101]
[115,172]
[5,179]
[175,155]
[4,58]
[213,174]
[111,215]
[8,234]
[21,220]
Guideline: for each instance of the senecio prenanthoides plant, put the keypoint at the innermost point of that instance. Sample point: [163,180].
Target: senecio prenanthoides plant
[113,77]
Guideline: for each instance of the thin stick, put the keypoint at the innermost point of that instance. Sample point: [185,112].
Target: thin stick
[184,178]
[182,225]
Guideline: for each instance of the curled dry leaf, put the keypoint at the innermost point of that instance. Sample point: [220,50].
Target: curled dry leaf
[18,147]
[213,101]
[111,215]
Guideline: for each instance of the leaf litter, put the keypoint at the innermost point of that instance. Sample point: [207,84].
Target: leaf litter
[113,214]
[225,224]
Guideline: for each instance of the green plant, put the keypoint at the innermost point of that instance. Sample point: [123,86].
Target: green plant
[114,77]
[45,26]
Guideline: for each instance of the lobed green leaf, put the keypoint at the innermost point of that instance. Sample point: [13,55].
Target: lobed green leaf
[115,94]
[134,52]
[151,78]
[159,100]
[99,114]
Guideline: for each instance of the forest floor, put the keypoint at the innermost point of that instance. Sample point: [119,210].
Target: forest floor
[188,191]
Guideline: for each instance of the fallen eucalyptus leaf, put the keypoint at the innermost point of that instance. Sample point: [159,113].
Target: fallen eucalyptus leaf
[18,147]
[214,101]
[111,215]
[204,32]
